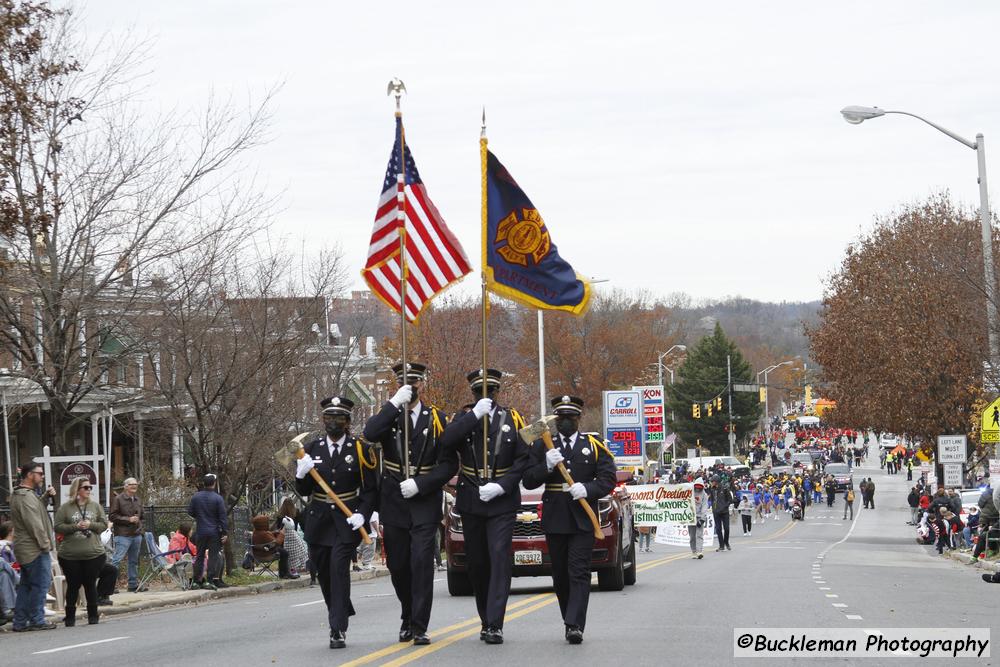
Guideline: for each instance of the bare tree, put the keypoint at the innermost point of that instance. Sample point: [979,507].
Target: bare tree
[96,199]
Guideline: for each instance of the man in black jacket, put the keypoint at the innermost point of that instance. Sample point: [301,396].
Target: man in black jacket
[348,467]
[722,499]
[211,526]
[488,495]
[410,501]
[568,530]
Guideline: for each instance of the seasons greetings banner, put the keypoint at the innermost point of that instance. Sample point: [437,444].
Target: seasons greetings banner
[657,504]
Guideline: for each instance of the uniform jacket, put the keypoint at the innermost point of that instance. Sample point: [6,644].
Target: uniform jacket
[352,476]
[589,463]
[508,456]
[428,466]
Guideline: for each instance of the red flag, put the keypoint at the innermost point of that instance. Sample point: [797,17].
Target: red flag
[434,257]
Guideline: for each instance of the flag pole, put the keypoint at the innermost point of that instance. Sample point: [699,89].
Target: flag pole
[485,221]
[397,88]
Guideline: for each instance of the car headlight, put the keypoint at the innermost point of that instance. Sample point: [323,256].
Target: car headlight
[454,521]
[604,506]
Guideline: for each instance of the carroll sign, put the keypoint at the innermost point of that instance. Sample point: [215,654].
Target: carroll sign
[657,504]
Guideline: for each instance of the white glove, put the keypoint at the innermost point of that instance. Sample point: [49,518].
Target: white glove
[408,488]
[355,521]
[482,407]
[553,457]
[402,396]
[578,491]
[488,492]
[303,466]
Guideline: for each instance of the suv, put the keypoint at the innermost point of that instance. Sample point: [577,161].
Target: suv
[803,460]
[613,556]
[842,475]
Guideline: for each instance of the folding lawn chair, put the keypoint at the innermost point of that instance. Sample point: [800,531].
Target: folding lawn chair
[260,557]
[179,572]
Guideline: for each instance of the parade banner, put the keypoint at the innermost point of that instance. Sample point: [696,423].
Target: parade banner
[677,535]
[658,504]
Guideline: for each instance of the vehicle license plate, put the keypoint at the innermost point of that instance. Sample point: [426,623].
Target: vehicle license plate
[527,558]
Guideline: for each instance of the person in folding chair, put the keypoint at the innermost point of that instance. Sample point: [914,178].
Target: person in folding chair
[268,546]
[349,467]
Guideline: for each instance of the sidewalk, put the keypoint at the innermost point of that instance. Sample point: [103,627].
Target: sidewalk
[127,603]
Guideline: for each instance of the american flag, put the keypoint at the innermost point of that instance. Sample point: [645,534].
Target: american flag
[434,257]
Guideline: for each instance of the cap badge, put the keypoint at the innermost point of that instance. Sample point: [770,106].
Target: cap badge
[335,401]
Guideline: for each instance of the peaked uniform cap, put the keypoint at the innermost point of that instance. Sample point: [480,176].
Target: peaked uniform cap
[336,405]
[493,377]
[567,405]
[415,372]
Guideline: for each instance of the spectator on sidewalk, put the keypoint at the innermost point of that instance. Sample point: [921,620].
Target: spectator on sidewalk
[9,577]
[913,500]
[32,549]
[266,544]
[869,494]
[126,517]
[696,531]
[211,527]
[181,543]
[80,521]
[971,527]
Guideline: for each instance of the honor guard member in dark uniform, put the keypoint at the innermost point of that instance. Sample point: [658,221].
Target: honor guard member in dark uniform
[348,467]
[488,496]
[410,502]
[568,531]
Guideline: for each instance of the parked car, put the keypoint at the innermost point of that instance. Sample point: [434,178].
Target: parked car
[613,556]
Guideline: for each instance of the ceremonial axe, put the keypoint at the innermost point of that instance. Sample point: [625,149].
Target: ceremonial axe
[294,449]
[540,429]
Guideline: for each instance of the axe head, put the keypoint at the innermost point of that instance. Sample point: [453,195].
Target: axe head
[534,431]
[290,452]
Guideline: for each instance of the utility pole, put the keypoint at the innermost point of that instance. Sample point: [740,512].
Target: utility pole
[732,431]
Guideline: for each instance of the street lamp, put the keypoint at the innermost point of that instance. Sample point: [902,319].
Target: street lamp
[659,380]
[765,372]
[856,115]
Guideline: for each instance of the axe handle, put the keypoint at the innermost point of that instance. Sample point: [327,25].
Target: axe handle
[598,533]
[329,492]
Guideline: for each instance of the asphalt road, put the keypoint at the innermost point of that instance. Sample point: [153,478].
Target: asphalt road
[823,572]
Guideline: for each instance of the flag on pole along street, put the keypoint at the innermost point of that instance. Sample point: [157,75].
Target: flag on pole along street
[434,257]
[520,261]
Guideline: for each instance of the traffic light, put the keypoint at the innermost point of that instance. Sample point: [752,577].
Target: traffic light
[696,411]
[708,406]
[718,403]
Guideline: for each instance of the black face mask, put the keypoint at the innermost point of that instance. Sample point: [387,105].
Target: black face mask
[335,430]
[491,393]
[566,426]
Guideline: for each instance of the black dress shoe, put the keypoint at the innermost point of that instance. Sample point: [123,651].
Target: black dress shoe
[405,633]
[421,639]
[991,578]
[338,639]
[494,636]
[574,635]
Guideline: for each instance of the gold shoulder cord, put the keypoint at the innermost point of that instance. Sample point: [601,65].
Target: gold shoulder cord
[598,445]
[438,426]
[362,462]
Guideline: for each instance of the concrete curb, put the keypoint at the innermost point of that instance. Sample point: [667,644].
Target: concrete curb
[199,596]
[963,558]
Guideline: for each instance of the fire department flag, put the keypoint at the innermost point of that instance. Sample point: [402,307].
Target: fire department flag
[520,260]
[434,257]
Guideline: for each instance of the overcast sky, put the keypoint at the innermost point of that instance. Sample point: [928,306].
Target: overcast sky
[693,147]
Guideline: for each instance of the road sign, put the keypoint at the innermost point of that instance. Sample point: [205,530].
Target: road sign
[953,475]
[749,388]
[989,430]
[951,449]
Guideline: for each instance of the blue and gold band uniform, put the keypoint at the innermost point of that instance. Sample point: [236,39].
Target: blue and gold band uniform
[569,532]
[351,472]
[410,525]
[488,527]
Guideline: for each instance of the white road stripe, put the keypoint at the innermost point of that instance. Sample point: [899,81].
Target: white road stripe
[853,617]
[306,604]
[839,605]
[832,595]
[67,648]
[824,588]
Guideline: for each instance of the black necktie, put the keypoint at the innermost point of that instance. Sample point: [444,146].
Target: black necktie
[567,443]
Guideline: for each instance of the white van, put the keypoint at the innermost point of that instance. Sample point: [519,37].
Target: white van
[739,468]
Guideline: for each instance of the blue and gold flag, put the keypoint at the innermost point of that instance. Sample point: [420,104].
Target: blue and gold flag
[520,260]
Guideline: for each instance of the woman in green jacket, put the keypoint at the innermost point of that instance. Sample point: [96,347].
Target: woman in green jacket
[80,521]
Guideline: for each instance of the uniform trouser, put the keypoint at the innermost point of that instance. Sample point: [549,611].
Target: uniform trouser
[571,554]
[333,569]
[722,529]
[697,535]
[409,555]
[487,551]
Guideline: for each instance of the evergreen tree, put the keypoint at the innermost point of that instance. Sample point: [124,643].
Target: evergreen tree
[702,378]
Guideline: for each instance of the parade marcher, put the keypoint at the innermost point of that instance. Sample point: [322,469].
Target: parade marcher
[696,531]
[32,548]
[569,532]
[348,467]
[411,501]
[746,513]
[722,500]
[488,495]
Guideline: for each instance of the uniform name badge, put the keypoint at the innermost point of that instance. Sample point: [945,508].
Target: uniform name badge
[348,459]
[585,451]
